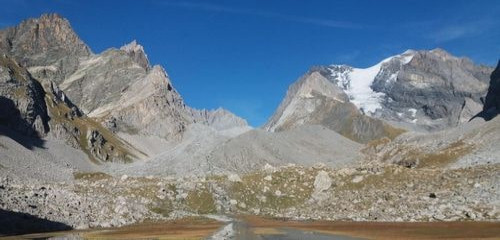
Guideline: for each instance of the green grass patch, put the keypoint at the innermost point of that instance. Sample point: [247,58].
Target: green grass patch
[201,201]
[91,176]
[163,207]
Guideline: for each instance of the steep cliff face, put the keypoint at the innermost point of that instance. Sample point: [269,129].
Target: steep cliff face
[22,100]
[492,101]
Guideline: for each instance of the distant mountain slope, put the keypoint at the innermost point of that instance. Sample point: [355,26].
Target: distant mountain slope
[204,151]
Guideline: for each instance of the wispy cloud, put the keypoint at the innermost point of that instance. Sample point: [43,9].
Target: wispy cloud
[255,12]
[460,30]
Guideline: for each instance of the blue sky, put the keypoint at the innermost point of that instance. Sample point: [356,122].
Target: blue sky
[243,55]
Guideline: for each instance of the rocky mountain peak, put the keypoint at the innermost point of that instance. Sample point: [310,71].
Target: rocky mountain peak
[440,53]
[47,42]
[49,35]
[219,119]
[136,52]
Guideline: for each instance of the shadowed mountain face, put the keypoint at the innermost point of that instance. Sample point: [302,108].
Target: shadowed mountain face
[14,223]
[22,100]
[492,103]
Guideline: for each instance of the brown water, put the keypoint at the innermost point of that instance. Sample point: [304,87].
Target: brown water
[252,227]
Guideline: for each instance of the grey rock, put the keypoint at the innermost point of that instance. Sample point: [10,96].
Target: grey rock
[443,90]
[136,52]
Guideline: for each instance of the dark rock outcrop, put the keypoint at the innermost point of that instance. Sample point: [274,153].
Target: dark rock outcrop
[22,100]
[491,106]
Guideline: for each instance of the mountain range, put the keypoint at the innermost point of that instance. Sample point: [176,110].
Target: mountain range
[68,110]
[115,107]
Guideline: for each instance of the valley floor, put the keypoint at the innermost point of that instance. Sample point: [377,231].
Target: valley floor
[380,193]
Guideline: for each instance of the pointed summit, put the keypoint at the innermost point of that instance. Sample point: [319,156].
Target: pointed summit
[136,52]
[44,41]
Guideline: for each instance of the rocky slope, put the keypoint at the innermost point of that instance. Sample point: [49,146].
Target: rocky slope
[365,193]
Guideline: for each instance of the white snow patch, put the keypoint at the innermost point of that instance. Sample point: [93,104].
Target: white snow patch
[413,112]
[357,83]
[360,91]
[393,77]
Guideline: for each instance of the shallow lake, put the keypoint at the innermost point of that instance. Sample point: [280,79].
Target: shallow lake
[252,227]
